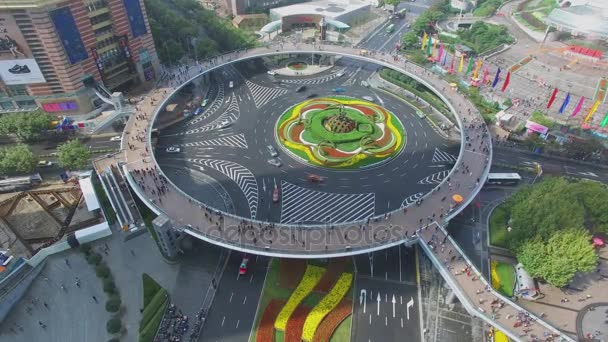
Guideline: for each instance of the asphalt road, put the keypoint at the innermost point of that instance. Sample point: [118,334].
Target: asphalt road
[232,314]
[375,316]
[236,156]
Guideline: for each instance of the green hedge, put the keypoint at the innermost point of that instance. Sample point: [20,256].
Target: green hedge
[149,331]
[149,311]
[113,325]
[498,226]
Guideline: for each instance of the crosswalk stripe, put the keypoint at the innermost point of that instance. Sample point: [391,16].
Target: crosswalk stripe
[237,140]
[411,199]
[305,205]
[440,156]
[261,95]
[231,115]
[435,178]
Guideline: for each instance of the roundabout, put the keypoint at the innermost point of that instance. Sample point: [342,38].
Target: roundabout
[319,148]
[340,132]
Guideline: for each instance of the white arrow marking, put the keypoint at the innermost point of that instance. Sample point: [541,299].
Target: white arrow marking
[394,302]
[363,299]
[378,301]
[409,305]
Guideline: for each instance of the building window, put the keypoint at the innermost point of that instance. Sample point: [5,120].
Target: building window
[7,105]
[26,104]
[17,90]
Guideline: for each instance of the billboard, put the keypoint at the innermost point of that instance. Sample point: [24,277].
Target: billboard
[68,34]
[136,17]
[20,71]
[12,42]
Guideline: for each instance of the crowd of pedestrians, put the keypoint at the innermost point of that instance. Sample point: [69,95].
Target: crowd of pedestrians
[173,327]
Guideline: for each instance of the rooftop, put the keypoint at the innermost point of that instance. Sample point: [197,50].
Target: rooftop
[585,19]
[328,9]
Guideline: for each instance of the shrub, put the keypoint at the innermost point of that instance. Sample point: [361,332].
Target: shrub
[86,249]
[93,258]
[102,271]
[113,325]
[109,286]
[113,340]
[113,304]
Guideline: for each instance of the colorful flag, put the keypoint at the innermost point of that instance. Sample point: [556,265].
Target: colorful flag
[452,65]
[440,54]
[507,80]
[429,45]
[485,75]
[605,121]
[445,58]
[424,40]
[470,66]
[461,63]
[592,111]
[579,106]
[476,72]
[495,82]
[565,104]
[552,98]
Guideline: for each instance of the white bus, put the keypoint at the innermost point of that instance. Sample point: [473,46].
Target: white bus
[503,178]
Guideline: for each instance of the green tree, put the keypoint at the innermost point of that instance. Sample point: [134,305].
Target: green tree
[113,304]
[73,155]
[205,48]
[17,158]
[409,40]
[392,2]
[27,126]
[113,325]
[559,258]
[482,37]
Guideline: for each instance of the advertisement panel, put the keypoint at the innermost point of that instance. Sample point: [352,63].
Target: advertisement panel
[535,127]
[20,71]
[68,33]
[136,17]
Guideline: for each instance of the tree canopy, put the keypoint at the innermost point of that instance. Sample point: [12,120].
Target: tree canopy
[17,159]
[73,155]
[481,36]
[392,2]
[27,126]
[551,225]
[559,258]
[486,7]
[184,28]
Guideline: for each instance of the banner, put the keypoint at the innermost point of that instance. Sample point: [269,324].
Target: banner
[485,75]
[496,78]
[565,104]
[445,58]
[429,46]
[507,80]
[452,65]
[470,66]
[461,63]
[440,54]
[476,72]
[424,40]
[605,121]
[20,71]
[552,98]
[592,111]
[579,106]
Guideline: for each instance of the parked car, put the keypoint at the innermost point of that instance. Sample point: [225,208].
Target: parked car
[274,162]
[273,152]
[116,138]
[173,149]
[243,266]
[45,163]
[275,195]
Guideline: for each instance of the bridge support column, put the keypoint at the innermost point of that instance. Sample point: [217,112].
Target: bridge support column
[167,236]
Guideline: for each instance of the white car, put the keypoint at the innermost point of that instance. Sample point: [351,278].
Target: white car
[231,84]
[368,98]
[274,162]
[116,138]
[173,149]
[223,124]
[273,152]
[271,72]
[340,74]
[45,163]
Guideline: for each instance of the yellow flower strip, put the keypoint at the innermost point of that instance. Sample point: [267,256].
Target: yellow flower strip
[495,278]
[310,279]
[325,306]
[499,336]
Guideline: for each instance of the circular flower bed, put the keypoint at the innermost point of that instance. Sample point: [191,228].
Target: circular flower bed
[340,132]
[297,66]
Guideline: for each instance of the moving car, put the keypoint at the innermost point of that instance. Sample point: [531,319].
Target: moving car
[198,111]
[116,138]
[340,74]
[338,90]
[365,84]
[271,72]
[368,98]
[315,178]
[243,267]
[45,163]
[231,84]
[274,162]
[204,103]
[310,96]
[223,124]
[273,152]
[301,89]
[173,149]
[275,195]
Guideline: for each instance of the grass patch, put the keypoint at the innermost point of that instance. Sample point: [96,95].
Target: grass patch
[151,287]
[155,304]
[104,201]
[342,333]
[148,333]
[156,300]
[498,226]
[506,274]
[540,118]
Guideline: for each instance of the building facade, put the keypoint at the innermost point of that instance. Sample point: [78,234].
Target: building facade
[55,53]
[255,6]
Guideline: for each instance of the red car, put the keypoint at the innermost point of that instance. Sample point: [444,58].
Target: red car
[243,267]
[315,178]
[275,195]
